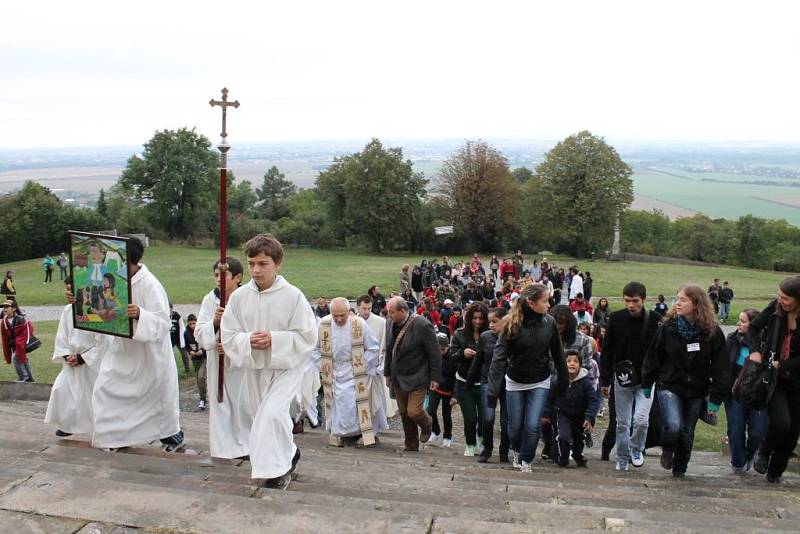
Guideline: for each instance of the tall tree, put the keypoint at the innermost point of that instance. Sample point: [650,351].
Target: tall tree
[481,193]
[177,178]
[274,194]
[585,186]
[102,204]
[241,197]
[522,174]
[374,195]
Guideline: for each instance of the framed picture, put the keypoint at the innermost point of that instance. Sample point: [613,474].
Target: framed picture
[100,283]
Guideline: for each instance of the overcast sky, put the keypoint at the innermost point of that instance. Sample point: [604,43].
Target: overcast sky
[111,73]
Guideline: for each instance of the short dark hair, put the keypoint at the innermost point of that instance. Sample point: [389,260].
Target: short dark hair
[572,352]
[634,289]
[363,299]
[499,312]
[135,250]
[234,266]
[191,318]
[266,243]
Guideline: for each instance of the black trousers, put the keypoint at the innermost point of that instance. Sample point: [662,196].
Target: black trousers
[434,398]
[784,429]
[610,437]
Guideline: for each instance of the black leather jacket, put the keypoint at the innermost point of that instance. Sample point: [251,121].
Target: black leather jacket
[526,357]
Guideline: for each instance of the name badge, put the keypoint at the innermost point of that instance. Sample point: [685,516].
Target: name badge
[693,347]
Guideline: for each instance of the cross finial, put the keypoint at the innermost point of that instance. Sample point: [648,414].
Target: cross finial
[224,104]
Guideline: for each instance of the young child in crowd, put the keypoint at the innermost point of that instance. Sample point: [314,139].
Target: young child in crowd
[198,356]
[575,411]
[444,395]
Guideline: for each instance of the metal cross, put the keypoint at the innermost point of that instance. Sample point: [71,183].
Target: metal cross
[224,104]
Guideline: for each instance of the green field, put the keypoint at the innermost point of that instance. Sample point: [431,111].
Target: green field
[727,200]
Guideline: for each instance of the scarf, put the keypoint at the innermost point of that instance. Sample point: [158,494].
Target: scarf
[688,331]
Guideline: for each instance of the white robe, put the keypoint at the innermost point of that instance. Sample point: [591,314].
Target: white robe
[135,397]
[377,325]
[305,402]
[229,422]
[70,405]
[343,419]
[576,286]
[283,311]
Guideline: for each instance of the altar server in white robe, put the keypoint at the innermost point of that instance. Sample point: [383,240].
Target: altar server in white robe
[377,325]
[269,327]
[70,405]
[339,341]
[229,421]
[135,397]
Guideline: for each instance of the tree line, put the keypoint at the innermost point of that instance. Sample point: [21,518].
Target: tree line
[374,198]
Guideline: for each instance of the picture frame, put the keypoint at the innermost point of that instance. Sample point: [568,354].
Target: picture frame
[101,283]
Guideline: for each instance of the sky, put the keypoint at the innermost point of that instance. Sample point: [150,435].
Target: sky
[112,73]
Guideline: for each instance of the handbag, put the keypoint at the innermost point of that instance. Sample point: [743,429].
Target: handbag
[756,381]
[624,371]
[33,342]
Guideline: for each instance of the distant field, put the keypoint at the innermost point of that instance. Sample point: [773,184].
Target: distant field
[728,200]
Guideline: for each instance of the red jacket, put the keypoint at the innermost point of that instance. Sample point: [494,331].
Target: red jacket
[22,331]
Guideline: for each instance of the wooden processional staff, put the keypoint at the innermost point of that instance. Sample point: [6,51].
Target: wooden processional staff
[223,147]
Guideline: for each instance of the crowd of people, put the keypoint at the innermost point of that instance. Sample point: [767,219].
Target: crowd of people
[528,341]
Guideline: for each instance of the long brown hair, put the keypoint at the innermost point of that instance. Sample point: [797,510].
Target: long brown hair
[513,321]
[472,309]
[704,314]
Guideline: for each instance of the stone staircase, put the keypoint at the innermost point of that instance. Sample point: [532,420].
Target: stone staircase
[57,485]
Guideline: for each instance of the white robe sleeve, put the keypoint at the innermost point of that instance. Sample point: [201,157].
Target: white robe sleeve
[372,352]
[153,324]
[204,332]
[235,336]
[181,331]
[315,361]
[68,339]
[292,347]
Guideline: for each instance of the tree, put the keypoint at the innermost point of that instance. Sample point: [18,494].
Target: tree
[102,205]
[274,194]
[373,195]
[241,197]
[522,174]
[177,178]
[585,186]
[481,194]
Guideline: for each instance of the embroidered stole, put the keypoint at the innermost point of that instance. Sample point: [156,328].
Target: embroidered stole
[363,405]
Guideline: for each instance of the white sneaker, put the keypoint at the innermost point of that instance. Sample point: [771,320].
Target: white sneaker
[525,467]
[446,442]
[469,450]
[514,457]
[622,465]
[201,406]
[432,439]
[637,459]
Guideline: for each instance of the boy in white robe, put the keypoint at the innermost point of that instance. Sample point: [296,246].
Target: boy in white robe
[343,420]
[269,327]
[135,397]
[70,405]
[229,421]
[377,325]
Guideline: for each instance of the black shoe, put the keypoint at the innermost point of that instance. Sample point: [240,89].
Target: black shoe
[587,439]
[295,459]
[581,461]
[504,459]
[666,459]
[30,379]
[298,427]
[279,483]
[773,479]
[484,458]
[761,463]
[605,455]
[678,474]
[61,434]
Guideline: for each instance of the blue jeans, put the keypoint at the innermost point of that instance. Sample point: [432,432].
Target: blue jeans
[23,369]
[678,419]
[724,310]
[746,431]
[488,423]
[525,409]
[630,403]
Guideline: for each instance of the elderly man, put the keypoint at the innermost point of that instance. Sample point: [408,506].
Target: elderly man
[412,365]
[377,324]
[348,355]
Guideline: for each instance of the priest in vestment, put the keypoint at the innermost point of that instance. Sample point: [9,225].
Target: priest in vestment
[70,405]
[348,355]
[135,398]
[269,327]
[377,325]
[229,421]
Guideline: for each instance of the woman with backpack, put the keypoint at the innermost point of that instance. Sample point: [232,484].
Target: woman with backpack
[16,331]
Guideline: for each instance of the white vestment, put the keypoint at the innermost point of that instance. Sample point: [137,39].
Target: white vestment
[343,419]
[229,421]
[70,405]
[135,397]
[377,326]
[283,311]
[576,286]
[305,402]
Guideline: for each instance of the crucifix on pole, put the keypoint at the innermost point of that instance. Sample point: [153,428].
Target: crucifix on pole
[223,147]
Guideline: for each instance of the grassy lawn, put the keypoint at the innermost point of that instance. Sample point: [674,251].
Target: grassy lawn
[186,274]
